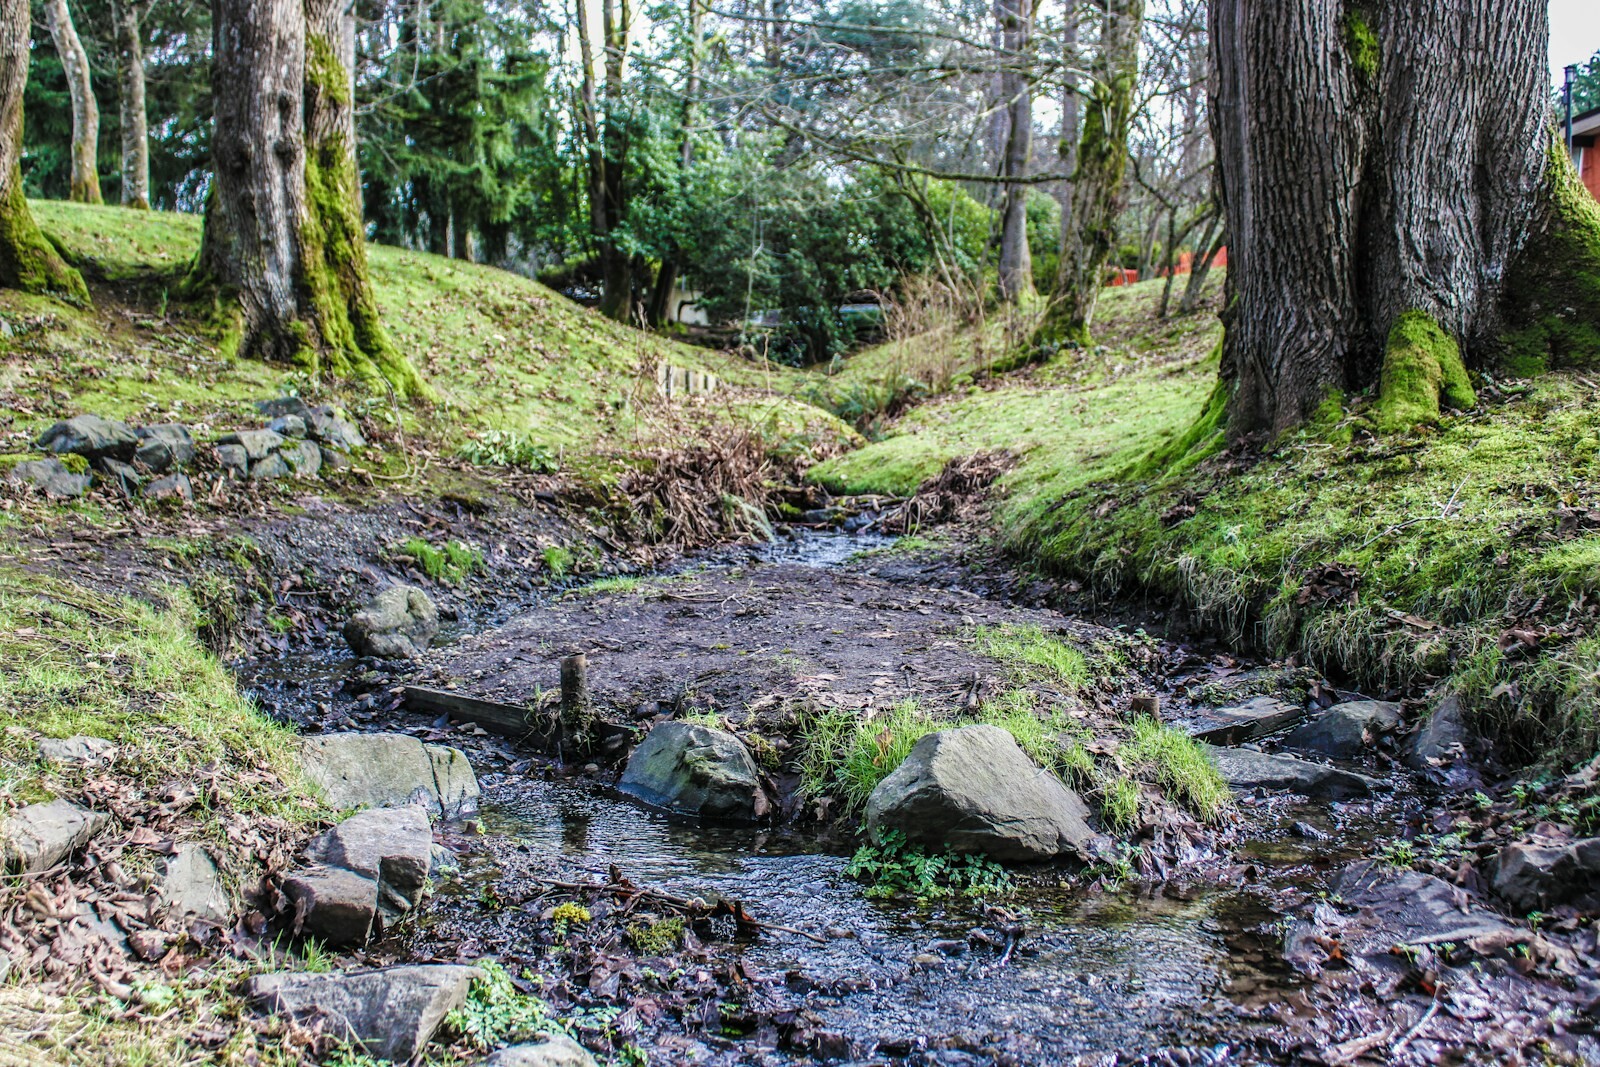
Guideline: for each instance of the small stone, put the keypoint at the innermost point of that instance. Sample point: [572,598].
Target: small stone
[1442,739]
[288,425]
[79,748]
[234,460]
[304,458]
[332,429]
[336,906]
[52,477]
[551,1050]
[391,1013]
[270,469]
[695,770]
[191,885]
[123,477]
[39,836]
[257,444]
[334,460]
[90,436]
[284,405]
[163,447]
[170,486]
[398,623]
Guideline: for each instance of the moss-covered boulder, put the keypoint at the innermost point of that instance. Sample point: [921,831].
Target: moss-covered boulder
[690,769]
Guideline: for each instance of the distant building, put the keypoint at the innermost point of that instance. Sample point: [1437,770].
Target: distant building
[1586,149]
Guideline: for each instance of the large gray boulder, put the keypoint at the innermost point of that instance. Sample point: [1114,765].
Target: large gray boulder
[551,1050]
[191,886]
[398,623]
[39,836]
[971,789]
[391,770]
[164,447]
[391,1013]
[1442,739]
[335,906]
[50,476]
[694,770]
[1346,731]
[1245,769]
[1247,721]
[391,846]
[257,444]
[1533,875]
[90,436]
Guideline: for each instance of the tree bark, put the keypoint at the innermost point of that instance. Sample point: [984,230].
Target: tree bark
[1375,161]
[85,112]
[1098,180]
[659,311]
[1016,90]
[27,260]
[283,225]
[128,17]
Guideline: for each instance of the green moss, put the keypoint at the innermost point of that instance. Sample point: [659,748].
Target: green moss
[27,261]
[1422,369]
[1179,765]
[1552,298]
[1362,43]
[656,937]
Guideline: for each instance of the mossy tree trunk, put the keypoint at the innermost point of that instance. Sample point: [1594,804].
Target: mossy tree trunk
[1016,90]
[27,260]
[1381,166]
[85,112]
[283,226]
[127,17]
[1099,180]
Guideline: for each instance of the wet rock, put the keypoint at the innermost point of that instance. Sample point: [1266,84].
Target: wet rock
[123,477]
[335,906]
[1533,875]
[334,460]
[90,436]
[257,444]
[191,885]
[39,836]
[391,846]
[1244,768]
[270,469]
[391,770]
[304,458]
[392,1013]
[79,748]
[52,476]
[551,1050]
[971,789]
[170,486]
[398,623]
[288,426]
[1442,739]
[332,429]
[164,447]
[1248,721]
[695,770]
[1409,907]
[234,460]
[1345,731]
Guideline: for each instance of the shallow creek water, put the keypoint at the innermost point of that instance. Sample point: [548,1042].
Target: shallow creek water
[1107,977]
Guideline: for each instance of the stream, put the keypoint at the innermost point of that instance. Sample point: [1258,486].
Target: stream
[1176,974]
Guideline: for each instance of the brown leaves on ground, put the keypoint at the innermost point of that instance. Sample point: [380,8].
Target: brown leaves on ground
[957,493]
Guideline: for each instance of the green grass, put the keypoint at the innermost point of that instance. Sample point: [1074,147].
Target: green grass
[558,560]
[1053,739]
[450,562]
[847,755]
[73,661]
[1030,652]
[1179,765]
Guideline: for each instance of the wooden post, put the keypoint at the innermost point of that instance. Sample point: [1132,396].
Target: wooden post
[1148,704]
[576,707]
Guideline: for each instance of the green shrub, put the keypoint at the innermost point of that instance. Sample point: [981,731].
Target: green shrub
[506,448]
[894,868]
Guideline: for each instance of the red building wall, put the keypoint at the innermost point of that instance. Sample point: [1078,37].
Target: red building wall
[1590,171]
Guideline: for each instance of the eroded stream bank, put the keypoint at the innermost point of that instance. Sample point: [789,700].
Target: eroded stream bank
[1184,965]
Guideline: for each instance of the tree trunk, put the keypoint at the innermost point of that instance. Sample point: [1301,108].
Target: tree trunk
[659,311]
[1067,143]
[128,16]
[1016,89]
[617,265]
[1090,228]
[85,112]
[1380,167]
[283,228]
[27,260]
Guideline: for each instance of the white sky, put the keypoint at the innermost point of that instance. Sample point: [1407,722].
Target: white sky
[1574,33]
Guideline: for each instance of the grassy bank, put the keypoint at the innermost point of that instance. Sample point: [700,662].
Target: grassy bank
[1463,556]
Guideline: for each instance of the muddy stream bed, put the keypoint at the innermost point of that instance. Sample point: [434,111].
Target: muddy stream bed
[1189,971]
